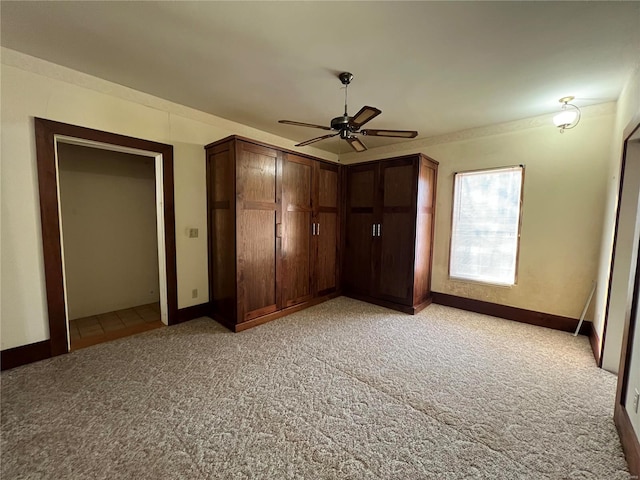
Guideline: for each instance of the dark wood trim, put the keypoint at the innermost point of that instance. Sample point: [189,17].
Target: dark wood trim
[434,199]
[594,340]
[271,316]
[629,440]
[192,312]
[411,155]
[281,313]
[169,233]
[50,221]
[421,306]
[411,310]
[85,342]
[33,352]
[628,436]
[46,132]
[522,315]
[268,145]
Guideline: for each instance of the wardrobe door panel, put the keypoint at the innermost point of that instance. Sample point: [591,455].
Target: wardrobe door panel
[257,266]
[361,187]
[398,183]
[358,258]
[328,186]
[258,215]
[395,277]
[221,237]
[296,247]
[297,254]
[397,235]
[257,176]
[327,259]
[327,229]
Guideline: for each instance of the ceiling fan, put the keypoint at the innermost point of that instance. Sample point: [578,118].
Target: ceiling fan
[349,127]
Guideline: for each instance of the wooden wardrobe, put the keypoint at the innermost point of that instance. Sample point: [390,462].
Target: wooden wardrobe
[389,231]
[274,231]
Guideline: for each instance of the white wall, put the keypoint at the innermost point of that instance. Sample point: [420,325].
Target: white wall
[624,260]
[634,372]
[627,112]
[108,211]
[34,88]
[563,204]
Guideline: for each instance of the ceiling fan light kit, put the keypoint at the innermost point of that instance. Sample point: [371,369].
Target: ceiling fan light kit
[348,128]
[569,115]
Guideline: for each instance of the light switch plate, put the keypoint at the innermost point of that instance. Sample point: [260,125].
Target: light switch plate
[193,233]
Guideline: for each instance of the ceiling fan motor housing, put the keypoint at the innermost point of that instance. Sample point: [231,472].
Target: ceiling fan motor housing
[343,125]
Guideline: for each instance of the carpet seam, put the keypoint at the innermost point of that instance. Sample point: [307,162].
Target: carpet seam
[398,401]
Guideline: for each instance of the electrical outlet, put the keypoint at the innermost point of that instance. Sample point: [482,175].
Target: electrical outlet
[193,233]
[194,293]
[636,400]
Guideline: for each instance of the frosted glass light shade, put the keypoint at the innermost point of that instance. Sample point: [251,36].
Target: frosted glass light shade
[566,117]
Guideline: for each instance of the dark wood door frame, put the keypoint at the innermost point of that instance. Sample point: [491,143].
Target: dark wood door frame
[628,437]
[46,132]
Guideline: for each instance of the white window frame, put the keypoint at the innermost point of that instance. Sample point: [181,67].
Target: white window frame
[453,223]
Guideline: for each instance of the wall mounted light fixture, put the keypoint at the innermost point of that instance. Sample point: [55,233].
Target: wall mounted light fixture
[570,115]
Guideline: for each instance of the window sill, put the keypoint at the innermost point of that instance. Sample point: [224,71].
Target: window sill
[482,282]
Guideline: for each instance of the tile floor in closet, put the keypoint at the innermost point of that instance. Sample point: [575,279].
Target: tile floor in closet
[109,326]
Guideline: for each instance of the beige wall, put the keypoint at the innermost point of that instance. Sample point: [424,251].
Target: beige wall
[108,211]
[563,205]
[34,88]
[627,115]
[564,196]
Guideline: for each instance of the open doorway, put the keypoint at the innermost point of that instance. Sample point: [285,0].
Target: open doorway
[627,307]
[109,243]
[623,263]
[49,136]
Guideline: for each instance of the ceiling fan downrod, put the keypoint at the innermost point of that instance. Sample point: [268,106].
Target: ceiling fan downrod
[342,123]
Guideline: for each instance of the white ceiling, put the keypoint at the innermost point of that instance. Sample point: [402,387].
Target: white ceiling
[436,67]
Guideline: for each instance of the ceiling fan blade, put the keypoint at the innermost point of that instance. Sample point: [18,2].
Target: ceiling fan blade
[301,124]
[390,133]
[317,139]
[356,144]
[364,115]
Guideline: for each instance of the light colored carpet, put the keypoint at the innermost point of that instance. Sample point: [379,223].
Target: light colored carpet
[342,390]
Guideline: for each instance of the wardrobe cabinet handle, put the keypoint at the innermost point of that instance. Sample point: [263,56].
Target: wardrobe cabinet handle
[318,229]
[373,233]
[379,229]
[313,232]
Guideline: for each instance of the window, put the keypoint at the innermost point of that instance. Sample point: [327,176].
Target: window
[486,225]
